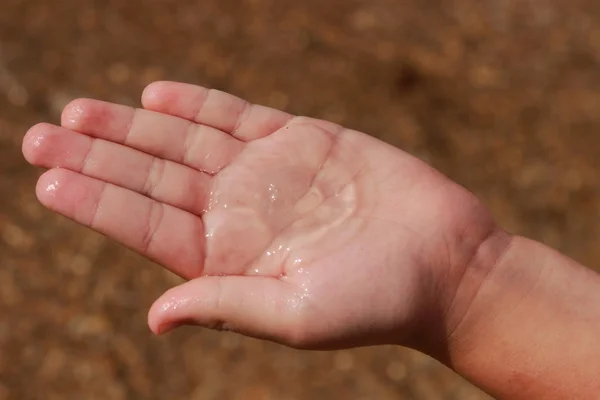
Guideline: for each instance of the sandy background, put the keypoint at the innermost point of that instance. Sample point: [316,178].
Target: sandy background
[503,96]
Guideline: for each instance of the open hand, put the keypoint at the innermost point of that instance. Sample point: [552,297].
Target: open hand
[287,228]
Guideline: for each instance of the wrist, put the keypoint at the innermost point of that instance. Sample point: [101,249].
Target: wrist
[482,269]
[471,249]
[534,316]
[460,292]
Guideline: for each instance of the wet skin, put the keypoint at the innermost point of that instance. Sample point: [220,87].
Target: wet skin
[288,228]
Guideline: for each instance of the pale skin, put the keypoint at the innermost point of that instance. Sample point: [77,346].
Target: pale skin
[315,236]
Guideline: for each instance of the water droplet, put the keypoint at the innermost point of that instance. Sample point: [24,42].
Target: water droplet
[52,187]
[73,114]
[173,304]
[39,139]
[273,193]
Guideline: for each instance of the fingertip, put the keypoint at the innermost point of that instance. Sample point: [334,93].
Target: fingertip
[74,113]
[71,114]
[154,326]
[32,142]
[164,328]
[153,318]
[69,193]
[191,303]
[152,93]
[48,186]
[160,316]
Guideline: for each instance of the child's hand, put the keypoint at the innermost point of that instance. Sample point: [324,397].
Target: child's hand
[315,236]
[288,228]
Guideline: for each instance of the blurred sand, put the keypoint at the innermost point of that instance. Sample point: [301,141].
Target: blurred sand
[503,96]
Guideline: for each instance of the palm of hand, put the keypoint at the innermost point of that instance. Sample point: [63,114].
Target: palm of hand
[282,194]
[295,229]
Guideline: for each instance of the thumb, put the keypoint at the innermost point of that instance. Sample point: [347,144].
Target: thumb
[251,305]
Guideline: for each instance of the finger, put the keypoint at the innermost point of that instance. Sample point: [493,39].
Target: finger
[161,232]
[252,305]
[50,146]
[201,147]
[214,108]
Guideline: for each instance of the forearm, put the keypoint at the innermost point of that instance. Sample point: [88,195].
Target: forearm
[532,329]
